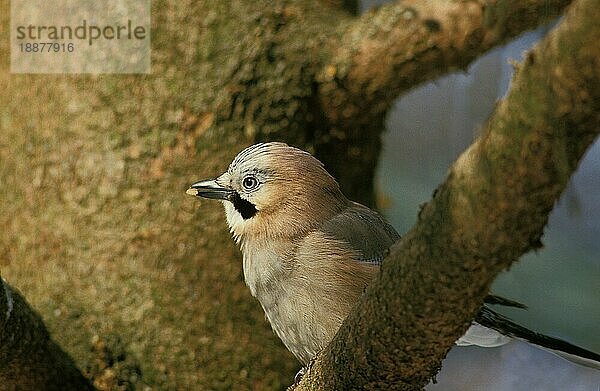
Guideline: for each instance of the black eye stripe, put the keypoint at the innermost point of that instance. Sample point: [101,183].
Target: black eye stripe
[244,207]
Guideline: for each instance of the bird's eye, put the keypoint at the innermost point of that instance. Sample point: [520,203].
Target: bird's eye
[250,183]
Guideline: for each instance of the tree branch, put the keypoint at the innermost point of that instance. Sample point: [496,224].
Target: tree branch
[491,210]
[401,45]
[29,359]
[386,52]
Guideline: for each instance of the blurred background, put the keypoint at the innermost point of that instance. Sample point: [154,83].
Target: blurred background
[427,130]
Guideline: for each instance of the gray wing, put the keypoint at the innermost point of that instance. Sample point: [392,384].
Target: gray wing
[364,230]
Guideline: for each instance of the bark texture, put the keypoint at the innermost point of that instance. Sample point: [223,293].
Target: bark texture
[491,209]
[140,283]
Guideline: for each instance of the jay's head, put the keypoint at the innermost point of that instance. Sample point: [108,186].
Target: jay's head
[273,190]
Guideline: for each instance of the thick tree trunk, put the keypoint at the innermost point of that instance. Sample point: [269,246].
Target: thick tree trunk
[98,232]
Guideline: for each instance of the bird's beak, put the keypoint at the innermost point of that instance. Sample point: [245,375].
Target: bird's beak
[210,189]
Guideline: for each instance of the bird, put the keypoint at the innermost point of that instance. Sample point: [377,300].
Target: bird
[309,252]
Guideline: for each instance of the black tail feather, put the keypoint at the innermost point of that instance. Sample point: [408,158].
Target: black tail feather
[493,299]
[493,320]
